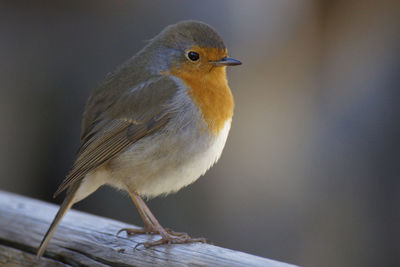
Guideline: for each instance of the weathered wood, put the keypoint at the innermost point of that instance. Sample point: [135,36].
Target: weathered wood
[84,239]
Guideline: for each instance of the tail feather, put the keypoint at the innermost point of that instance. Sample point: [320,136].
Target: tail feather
[65,206]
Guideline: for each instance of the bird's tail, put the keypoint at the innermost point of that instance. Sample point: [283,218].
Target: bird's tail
[65,206]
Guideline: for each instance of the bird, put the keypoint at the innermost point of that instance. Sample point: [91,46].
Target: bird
[154,125]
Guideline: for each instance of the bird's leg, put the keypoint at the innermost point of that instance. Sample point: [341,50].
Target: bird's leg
[148,225]
[155,222]
[167,235]
[153,226]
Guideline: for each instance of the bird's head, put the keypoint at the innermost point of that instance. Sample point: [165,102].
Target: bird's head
[190,47]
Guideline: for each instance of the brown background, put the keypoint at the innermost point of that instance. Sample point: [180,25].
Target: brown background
[310,172]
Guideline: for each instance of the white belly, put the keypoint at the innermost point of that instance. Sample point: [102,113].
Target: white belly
[176,178]
[165,165]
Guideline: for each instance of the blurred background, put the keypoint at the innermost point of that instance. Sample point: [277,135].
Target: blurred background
[310,172]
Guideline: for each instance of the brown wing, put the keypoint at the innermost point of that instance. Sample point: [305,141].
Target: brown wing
[119,135]
[129,119]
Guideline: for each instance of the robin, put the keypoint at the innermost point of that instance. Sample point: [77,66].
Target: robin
[155,125]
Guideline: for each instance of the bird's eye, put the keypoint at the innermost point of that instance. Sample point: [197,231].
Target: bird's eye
[193,56]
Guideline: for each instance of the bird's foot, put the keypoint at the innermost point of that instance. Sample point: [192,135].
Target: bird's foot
[153,231]
[137,231]
[167,236]
[172,240]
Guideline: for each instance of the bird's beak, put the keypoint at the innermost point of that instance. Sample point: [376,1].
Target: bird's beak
[226,61]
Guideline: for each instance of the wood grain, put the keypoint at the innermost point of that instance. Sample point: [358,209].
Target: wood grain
[88,240]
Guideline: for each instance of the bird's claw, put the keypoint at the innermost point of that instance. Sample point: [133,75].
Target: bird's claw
[147,230]
[137,231]
[171,240]
[167,236]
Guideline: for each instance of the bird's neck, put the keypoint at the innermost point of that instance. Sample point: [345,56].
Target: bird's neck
[212,96]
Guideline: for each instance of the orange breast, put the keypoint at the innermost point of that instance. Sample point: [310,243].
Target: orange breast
[212,95]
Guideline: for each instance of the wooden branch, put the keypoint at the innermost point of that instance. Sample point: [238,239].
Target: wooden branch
[88,240]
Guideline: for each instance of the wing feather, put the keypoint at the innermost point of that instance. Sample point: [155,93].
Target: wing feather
[107,147]
[106,136]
